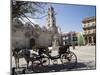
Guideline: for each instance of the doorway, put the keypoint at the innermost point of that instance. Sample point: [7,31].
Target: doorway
[90,41]
[32,42]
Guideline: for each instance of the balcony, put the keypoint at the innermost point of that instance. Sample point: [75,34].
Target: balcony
[89,26]
[90,32]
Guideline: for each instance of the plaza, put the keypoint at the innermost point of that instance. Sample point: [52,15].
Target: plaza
[86,56]
[85,61]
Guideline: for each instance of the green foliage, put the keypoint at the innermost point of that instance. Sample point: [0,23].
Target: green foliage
[24,7]
[81,39]
[37,27]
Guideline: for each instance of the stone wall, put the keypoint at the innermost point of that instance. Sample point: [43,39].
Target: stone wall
[23,33]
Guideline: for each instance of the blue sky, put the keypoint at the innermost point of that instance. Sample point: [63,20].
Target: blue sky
[69,17]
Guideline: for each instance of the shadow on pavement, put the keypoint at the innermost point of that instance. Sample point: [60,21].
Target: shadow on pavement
[80,65]
[56,68]
[50,68]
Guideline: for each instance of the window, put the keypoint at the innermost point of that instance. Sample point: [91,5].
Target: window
[63,38]
[93,24]
[74,38]
[88,24]
[94,30]
[89,31]
[84,25]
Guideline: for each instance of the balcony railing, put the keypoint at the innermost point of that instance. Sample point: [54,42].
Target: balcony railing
[89,32]
[89,26]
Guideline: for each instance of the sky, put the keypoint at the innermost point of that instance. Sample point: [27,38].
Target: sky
[69,17]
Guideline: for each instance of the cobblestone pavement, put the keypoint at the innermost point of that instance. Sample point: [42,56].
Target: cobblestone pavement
[86,56]
[85,60]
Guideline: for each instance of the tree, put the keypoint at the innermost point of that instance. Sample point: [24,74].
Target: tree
[81,40]
[20,8]
[37,27]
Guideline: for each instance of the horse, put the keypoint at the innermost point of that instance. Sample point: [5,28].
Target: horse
[26,54]
[21,53]
[17,56]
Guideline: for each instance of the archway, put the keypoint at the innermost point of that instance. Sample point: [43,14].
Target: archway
[90,41]
[32,42]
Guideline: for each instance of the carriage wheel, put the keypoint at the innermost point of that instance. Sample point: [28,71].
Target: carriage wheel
[36,66]
[36,63]
[54,61]
[69,59]
[45,61]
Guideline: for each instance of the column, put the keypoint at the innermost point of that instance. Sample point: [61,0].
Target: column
[88,40]
[85,40]
[92,39]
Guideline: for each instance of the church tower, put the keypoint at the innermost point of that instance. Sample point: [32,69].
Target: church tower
[51,25]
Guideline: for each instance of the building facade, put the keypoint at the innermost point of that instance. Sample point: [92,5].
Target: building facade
[27,35]
[70,38]
[89,27]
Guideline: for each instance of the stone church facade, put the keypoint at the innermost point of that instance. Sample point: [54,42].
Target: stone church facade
[26,35]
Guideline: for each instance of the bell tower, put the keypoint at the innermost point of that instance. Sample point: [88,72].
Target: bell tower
[51,21]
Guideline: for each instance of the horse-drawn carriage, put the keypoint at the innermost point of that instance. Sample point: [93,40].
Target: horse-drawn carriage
[43,56]
[64,54]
